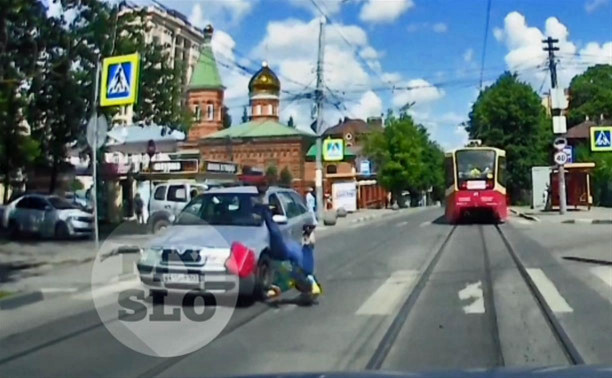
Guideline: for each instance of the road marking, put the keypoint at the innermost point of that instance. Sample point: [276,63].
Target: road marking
[474,292]
[550,293]
[604,273]
[109,289]
[401,224]
[386,299]
[425,224]
[53,290]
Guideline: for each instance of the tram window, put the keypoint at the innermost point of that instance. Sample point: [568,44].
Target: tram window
[501,170]
[475,164]
[450,173]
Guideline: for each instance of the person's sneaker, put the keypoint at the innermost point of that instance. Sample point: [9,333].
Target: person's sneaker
[273,291]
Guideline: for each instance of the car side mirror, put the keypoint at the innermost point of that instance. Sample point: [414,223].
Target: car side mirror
[280,219]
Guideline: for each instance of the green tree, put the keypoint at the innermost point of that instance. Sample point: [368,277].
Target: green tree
[509,115]
[398,152]
[20,46]
[285,179]
[290,122]
[591,94]
[272,174]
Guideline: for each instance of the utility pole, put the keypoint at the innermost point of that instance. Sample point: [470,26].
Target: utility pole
[552,65]
[319,101]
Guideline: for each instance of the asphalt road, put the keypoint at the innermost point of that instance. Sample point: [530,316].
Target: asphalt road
[405,293]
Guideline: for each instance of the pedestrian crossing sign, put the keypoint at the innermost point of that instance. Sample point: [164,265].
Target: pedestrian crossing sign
[119,80]
[601,138]
[333,149]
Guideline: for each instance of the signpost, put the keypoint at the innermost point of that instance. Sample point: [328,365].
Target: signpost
[601,138]
[560,158]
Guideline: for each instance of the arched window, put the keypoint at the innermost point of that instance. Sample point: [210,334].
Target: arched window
[210,112]
[198,113]
[331,169]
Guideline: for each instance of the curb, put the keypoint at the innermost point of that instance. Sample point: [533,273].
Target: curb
[587,221]
[532,218]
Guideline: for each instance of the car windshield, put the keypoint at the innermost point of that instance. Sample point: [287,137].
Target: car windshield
[475,164]
[61,203]
[222,209]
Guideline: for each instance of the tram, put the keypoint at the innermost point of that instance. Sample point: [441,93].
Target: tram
[475,183]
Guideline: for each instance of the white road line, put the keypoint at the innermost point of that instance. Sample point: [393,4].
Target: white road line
[53,290]
[604,273]
[401,224]
[108,289]
[550,293]
[386,299]
[425,224]
[474,292]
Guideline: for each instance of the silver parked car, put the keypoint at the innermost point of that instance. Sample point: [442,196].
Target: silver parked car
[168,201]
[198,243]
[48,216]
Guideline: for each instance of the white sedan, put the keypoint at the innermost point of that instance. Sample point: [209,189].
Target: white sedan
[47,216]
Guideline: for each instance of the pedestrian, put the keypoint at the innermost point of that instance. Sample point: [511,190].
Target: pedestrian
[138,207]
[311,203]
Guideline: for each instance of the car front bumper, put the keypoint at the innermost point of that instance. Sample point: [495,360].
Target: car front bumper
[79,228]
[211,281]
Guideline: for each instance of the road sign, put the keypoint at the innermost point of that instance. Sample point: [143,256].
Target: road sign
[102,129]
[333,149]
[559,125]
[560,143]
[601,138]
[569,151]
[560,157]
[119,80]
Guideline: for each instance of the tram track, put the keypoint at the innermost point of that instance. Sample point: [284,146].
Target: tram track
[568,348]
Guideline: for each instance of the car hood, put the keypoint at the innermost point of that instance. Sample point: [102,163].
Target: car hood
[546,372]
[179,236]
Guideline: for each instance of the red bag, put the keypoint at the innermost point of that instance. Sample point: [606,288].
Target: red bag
[241,261]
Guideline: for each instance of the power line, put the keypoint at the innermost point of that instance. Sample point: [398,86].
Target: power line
[484,44]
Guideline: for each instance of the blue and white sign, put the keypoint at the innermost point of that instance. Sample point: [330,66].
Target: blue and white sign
[364,168]
[119,80]
[569,151]
[344,195]
[601,138]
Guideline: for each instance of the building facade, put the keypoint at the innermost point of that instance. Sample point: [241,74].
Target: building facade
[171,29]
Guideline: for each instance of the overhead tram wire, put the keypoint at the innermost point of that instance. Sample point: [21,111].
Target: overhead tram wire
[484,43]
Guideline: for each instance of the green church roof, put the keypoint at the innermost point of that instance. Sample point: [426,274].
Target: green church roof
[206,74]
[259,129]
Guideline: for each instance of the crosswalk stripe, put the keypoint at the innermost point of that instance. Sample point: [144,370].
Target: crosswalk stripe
[401,224]
[604,273]
[555,301]
[386,299]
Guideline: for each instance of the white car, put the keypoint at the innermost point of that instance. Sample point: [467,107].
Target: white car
[47,216]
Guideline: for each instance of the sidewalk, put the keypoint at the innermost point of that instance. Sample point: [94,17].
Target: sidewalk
[597,215]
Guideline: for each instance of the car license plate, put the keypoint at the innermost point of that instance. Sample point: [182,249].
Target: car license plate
[181,278]
[476,184]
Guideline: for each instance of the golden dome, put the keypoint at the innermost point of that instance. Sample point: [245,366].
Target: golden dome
[264,80]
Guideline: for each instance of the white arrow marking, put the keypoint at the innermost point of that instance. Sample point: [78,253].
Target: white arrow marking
[473,291]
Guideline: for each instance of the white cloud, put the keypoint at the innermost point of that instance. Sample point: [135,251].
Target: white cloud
[421,92]
[498,33]
[369,53]
[224,13]
[439,27]
[384,11]
[525,54]
[468,55]
[368,105]
[592,5]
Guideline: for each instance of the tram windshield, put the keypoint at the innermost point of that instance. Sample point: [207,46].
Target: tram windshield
[475,164]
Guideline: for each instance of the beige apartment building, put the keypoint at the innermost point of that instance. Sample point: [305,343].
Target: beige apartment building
[171,29]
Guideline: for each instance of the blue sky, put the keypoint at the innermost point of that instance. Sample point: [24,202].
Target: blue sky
[433,45]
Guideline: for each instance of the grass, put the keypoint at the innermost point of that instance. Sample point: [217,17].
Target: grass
[4,294]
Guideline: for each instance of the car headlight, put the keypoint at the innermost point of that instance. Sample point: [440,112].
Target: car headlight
[150,252]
